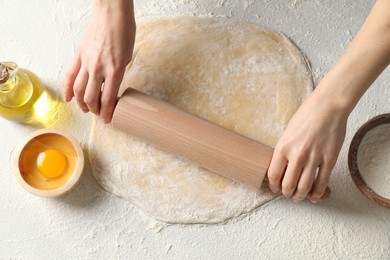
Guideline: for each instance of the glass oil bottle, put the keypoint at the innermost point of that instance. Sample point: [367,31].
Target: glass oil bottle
[23,98]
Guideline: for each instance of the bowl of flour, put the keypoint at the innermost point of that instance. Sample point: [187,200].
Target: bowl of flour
[369,159]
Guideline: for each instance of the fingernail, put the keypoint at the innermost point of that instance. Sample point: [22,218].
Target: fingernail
[314,200]
[296,199]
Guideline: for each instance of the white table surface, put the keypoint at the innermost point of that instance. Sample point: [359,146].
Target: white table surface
[88,223]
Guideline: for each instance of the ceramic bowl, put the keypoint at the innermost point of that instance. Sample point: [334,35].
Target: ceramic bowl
[353,159]
[25,157]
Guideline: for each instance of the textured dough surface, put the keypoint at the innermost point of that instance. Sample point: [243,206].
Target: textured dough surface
[239,75]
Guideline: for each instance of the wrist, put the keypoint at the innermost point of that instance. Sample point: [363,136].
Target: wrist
[332,99]
[116,6]
[345,84]
[341,99]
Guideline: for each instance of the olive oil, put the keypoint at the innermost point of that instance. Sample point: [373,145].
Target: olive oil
[20,92]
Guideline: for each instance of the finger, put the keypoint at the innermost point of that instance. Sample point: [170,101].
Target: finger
[93,93]
[321,182]
[109,96]
[79,89]
[291,177]
[70,77]
[276,171]
[305,182]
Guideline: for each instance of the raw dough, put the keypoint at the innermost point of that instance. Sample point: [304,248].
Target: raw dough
[373,159]
[239,75]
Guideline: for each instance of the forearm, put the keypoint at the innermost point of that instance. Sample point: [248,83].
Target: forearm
[307,151]
[366,57]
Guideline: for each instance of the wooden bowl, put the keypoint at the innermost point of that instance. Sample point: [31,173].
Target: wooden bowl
[26,169]
[353,163]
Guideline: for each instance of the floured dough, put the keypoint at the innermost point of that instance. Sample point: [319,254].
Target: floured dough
[239,75]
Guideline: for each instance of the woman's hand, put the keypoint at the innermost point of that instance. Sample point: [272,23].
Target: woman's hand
[99,63]
[307,151]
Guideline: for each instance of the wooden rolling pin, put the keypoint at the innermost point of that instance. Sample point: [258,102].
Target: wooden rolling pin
[213,147]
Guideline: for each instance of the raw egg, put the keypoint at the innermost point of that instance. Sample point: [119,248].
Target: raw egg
[51,163]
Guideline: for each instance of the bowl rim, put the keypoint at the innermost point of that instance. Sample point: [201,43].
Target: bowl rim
[353,162]
[73,179]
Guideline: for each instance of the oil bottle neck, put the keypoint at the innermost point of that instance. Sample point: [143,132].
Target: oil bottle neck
[7,79]
[4,73]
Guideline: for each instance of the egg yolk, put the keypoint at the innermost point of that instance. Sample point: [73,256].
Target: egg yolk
[51,163]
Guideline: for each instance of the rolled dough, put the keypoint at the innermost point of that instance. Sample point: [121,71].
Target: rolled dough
[236,74]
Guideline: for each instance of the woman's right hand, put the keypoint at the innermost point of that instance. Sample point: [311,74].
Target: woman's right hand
[98,66]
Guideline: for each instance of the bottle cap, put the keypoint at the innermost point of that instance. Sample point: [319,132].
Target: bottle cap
[4,74]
